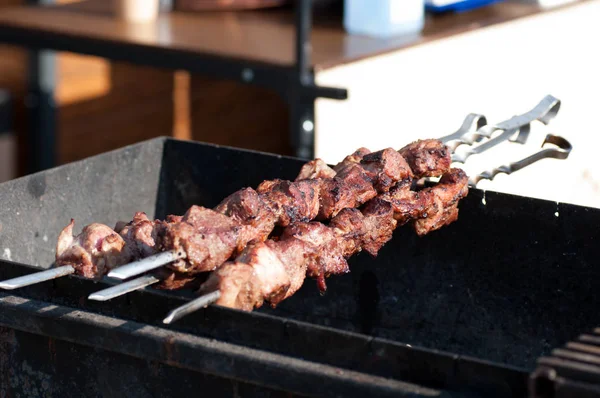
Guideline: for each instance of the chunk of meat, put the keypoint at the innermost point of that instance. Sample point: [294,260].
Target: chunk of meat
[269,271]
[315,169]
[289,200]
[385,168]
[206,237]
[292,254]
[139,236]
[378,225]
[93,253]
[349,160]
[255,217]
[325,254]
[236,282]
[427,158]
[348,225]
[407,204]
[452,187]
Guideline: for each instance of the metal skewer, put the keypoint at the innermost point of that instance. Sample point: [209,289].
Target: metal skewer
[544,112]
[472,123]
[123,288]
[561,150]
[521,137]
[194,305]
[38,277]
[146,264]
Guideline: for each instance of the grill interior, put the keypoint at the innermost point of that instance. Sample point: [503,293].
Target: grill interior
[512,279]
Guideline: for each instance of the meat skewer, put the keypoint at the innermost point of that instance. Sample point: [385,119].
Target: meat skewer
[210,237]
[426,157]
[274,270]
[99,249]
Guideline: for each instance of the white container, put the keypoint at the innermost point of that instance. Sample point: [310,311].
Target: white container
[138,11]
[384,18]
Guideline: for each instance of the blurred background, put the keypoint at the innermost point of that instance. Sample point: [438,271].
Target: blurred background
[372,73]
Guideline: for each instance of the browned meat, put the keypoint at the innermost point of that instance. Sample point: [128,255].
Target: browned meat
[292,252]
[452,187]
[290,201]
[407,204]
[208,239]
[325,256]
[427,158]
[354,158]
[236,282]
[139,236]
[378,225]
[358,181]
[269,272]
[248,210]
[93,253]
[313,249]
[348,224]
[315,169]
[385,168]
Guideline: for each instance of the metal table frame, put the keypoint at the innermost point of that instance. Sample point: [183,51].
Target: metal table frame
[295,83]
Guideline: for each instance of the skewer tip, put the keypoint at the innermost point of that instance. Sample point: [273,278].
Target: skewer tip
[37,277]
[192,306]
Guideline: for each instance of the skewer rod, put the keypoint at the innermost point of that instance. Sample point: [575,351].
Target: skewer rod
[194,305]
[37,277]
[123,288]
[145,264]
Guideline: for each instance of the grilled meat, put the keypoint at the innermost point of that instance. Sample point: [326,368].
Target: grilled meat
[316,250]
[211,237]
[315,169]
[427,158]
[208,238]
[94,252]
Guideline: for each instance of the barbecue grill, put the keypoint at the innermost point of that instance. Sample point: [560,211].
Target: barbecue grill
[465,311]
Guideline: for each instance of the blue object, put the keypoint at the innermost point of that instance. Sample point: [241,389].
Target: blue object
[384,18]
[459,6]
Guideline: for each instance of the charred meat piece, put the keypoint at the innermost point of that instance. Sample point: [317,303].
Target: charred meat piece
[427,158]
[348,225]
[247,209]
[93,253]
[378,225]
[206,237]
[315,169]
[291,201]
[407,204]
[385,168]
[444,196]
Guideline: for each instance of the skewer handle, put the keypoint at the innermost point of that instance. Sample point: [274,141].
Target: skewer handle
[37,277]
[561,150]
[123,288]
[192,306]
[145,264]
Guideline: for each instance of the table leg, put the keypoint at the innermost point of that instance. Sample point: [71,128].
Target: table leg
[41,110]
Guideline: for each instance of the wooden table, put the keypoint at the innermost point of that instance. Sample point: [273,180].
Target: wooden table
[260,47]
